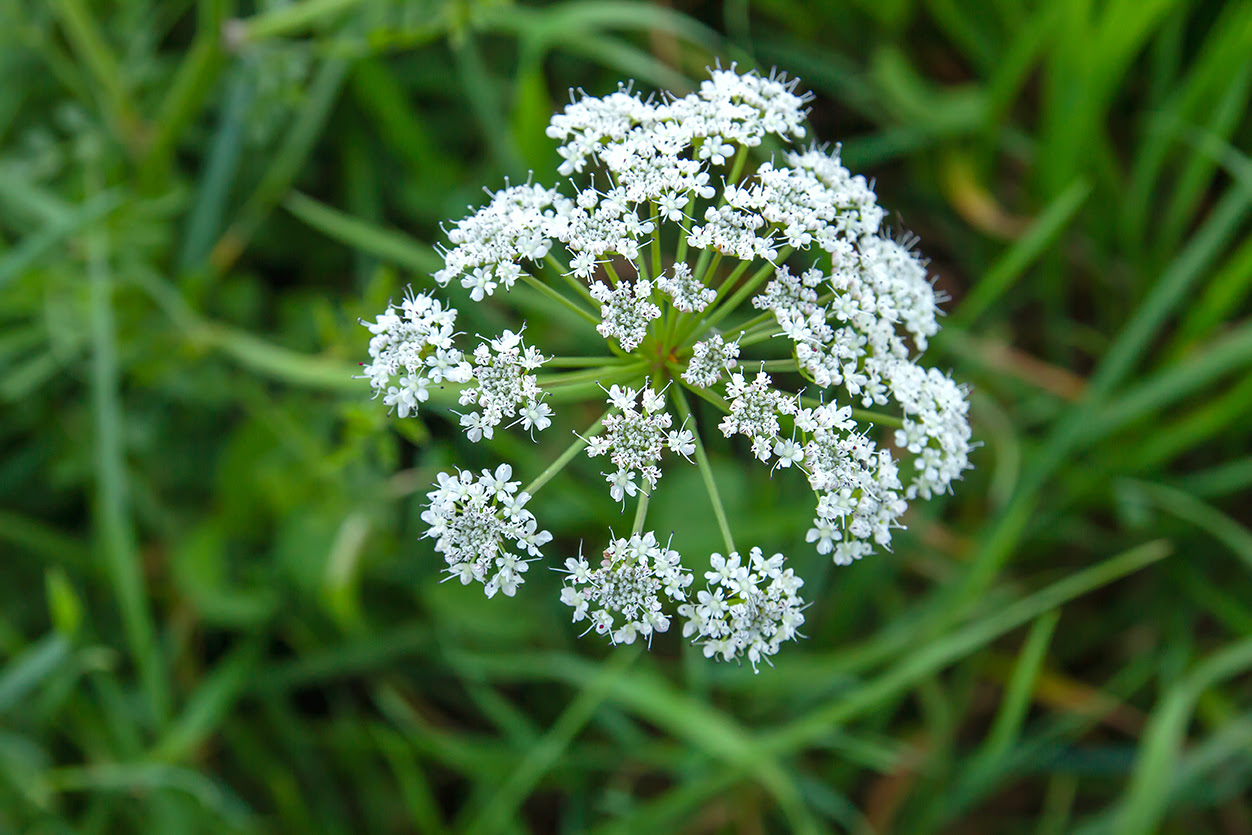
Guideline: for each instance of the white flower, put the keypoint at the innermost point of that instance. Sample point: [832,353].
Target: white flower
[633,439]
[626,311]
[791,249]
[634,580]
[686,291]
[411,349]
[475,520]
[503,386]
[754,411]
[710,359]
[749,611]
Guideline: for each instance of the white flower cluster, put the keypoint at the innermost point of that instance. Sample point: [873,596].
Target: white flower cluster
[857,484]
[634,438]
[488,244]
[476,521]
[754,411]
[504,387]
[625,311]
[688,293]
[748,609]
[628,582]
[710,359]
[413,342]
[936,427]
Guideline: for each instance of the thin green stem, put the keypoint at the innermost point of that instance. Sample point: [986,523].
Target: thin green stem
[736,169]
[565,457]
[708,267]
[93,51]
[719,310]
[558,298]
[293,18]
[572,280]
[115,529]
[612,273]
[706,471]
[641,513]
[591,374]
[656,243]
[586,362]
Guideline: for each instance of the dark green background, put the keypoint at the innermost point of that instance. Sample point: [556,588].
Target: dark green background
[216,611]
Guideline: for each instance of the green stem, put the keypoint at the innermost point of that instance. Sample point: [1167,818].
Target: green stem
[292,18]
[590,375]
[656,243]
[706,471]
[585,362]
[115,528]
[641,513]
[89,45]
[559,299]
[612,273]
[741,160]
[565,457]
[718,310]
[572,280]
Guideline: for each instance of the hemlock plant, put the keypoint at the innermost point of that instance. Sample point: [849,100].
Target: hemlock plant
[706,278]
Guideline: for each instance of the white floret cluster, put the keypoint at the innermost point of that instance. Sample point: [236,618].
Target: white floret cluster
[411,350]
[634,438]
[504,387]
[710,360]
[630,582]
[748,610]
[669,239]
[688,294]
[483,529]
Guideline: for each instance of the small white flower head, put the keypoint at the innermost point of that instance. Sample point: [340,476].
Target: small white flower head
[488,244]
[634,439]
[502,386]
[411,350]
[685,290]
[710,359]
[754,411]
[748,609]
[625,311]
[481,526]
[633,581]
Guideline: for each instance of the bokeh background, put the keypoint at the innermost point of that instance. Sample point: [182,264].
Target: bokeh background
[217,613]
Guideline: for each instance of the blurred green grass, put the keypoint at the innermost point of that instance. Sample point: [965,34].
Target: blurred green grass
[217,612]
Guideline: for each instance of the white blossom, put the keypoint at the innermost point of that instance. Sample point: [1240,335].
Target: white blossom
[626,311]
[748,609]
[795,244]
[633,581]
[502,386]
[482,528]
[687,292]
[412,349]
[710,359]
[634,439]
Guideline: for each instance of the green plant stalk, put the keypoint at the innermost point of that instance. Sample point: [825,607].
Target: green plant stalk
[293,18]
[560,299]
[641,513]
[117,537]
[565,457]
[572,280]
[84,36]
[716,312]
[706,471]
[547,751]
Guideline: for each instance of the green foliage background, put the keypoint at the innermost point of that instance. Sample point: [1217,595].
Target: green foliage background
[216,611]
